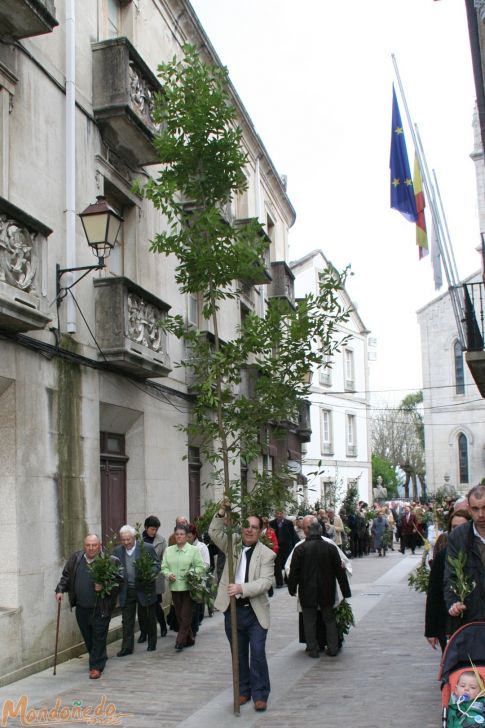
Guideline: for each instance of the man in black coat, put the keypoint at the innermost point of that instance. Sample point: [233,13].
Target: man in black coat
[287,538]
[315,570]
[135,592]
[93,612]
[469,540]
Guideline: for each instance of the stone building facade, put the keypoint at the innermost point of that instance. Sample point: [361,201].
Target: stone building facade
[90,397]
[453,409]
[338,453]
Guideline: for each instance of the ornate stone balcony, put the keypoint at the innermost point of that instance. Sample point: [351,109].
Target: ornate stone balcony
[480,7]
[262,274]
[25,18]
[474,329]
[123,98]
[304,421]
[23,288]
[283,283]
[128,328]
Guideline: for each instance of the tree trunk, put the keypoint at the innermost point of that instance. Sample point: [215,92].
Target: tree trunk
[227,495]
[424,488]
[406,485]
[415,486]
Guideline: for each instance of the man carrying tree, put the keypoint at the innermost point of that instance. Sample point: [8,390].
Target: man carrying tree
[253,569]
[93,611]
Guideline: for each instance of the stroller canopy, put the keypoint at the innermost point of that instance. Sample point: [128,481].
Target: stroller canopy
[466,645]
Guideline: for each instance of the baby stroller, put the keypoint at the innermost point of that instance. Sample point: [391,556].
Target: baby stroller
[464,652]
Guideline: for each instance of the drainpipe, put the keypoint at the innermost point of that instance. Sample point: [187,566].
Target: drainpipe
[257,191]
[70,158]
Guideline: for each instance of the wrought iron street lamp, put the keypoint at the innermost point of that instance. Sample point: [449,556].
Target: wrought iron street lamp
[101,226]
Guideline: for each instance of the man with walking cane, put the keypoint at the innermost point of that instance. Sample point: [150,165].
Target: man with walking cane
[93,608]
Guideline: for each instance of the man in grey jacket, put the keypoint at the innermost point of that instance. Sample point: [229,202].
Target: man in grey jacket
[253,574]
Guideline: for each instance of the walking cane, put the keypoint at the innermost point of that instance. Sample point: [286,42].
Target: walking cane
[57,634]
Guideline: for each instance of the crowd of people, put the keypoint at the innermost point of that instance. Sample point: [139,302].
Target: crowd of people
[311,554]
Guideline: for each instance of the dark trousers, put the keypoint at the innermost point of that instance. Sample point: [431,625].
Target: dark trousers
[160,614]
[128,615]
[310,615]
[253,667]
[147,619]
[357,544]
[94,630]
[183,609]
[279,564]
[408,540]
[197,616]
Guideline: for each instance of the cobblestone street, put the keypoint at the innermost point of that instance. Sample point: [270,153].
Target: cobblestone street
[384,677]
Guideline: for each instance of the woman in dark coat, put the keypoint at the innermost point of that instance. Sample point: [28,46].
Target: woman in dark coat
[436,616]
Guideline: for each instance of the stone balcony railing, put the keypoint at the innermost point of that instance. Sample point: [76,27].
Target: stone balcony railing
[25,18]
[124,90]
[128,329]
[23,284]
[283,283]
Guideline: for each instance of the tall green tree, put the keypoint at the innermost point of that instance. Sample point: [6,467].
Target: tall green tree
[381,466]
[260,375]
[398,437]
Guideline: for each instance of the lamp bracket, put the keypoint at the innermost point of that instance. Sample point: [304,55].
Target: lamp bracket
[61,291]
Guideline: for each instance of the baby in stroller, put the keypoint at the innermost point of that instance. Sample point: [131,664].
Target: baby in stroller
[467,687]
[462,678]
[467,702]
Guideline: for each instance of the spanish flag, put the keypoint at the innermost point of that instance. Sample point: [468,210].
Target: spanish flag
[421,234]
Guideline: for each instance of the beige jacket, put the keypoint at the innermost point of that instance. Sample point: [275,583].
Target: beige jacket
[339,529]
[260,577]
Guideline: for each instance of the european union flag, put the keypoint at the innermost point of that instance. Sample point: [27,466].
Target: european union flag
[402,191]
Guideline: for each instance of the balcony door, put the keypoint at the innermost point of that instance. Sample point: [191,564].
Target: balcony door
[113,484]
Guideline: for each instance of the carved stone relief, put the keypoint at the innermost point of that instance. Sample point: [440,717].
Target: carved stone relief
[142,96]
[18,255]
[143,323]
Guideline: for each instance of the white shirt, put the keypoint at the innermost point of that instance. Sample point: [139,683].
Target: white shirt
[241,569]
[204,551]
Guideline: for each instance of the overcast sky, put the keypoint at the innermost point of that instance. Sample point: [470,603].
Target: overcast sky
[316,78]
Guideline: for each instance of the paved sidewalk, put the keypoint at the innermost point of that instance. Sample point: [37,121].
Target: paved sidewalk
[385,676]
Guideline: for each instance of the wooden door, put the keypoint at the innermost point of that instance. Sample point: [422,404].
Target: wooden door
[113,484]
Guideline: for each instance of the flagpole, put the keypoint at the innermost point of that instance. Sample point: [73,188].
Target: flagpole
[445,239]
[452,255]
[435,212]
[446,257]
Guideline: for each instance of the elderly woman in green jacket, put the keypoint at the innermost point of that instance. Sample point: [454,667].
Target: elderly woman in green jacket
[177,561]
